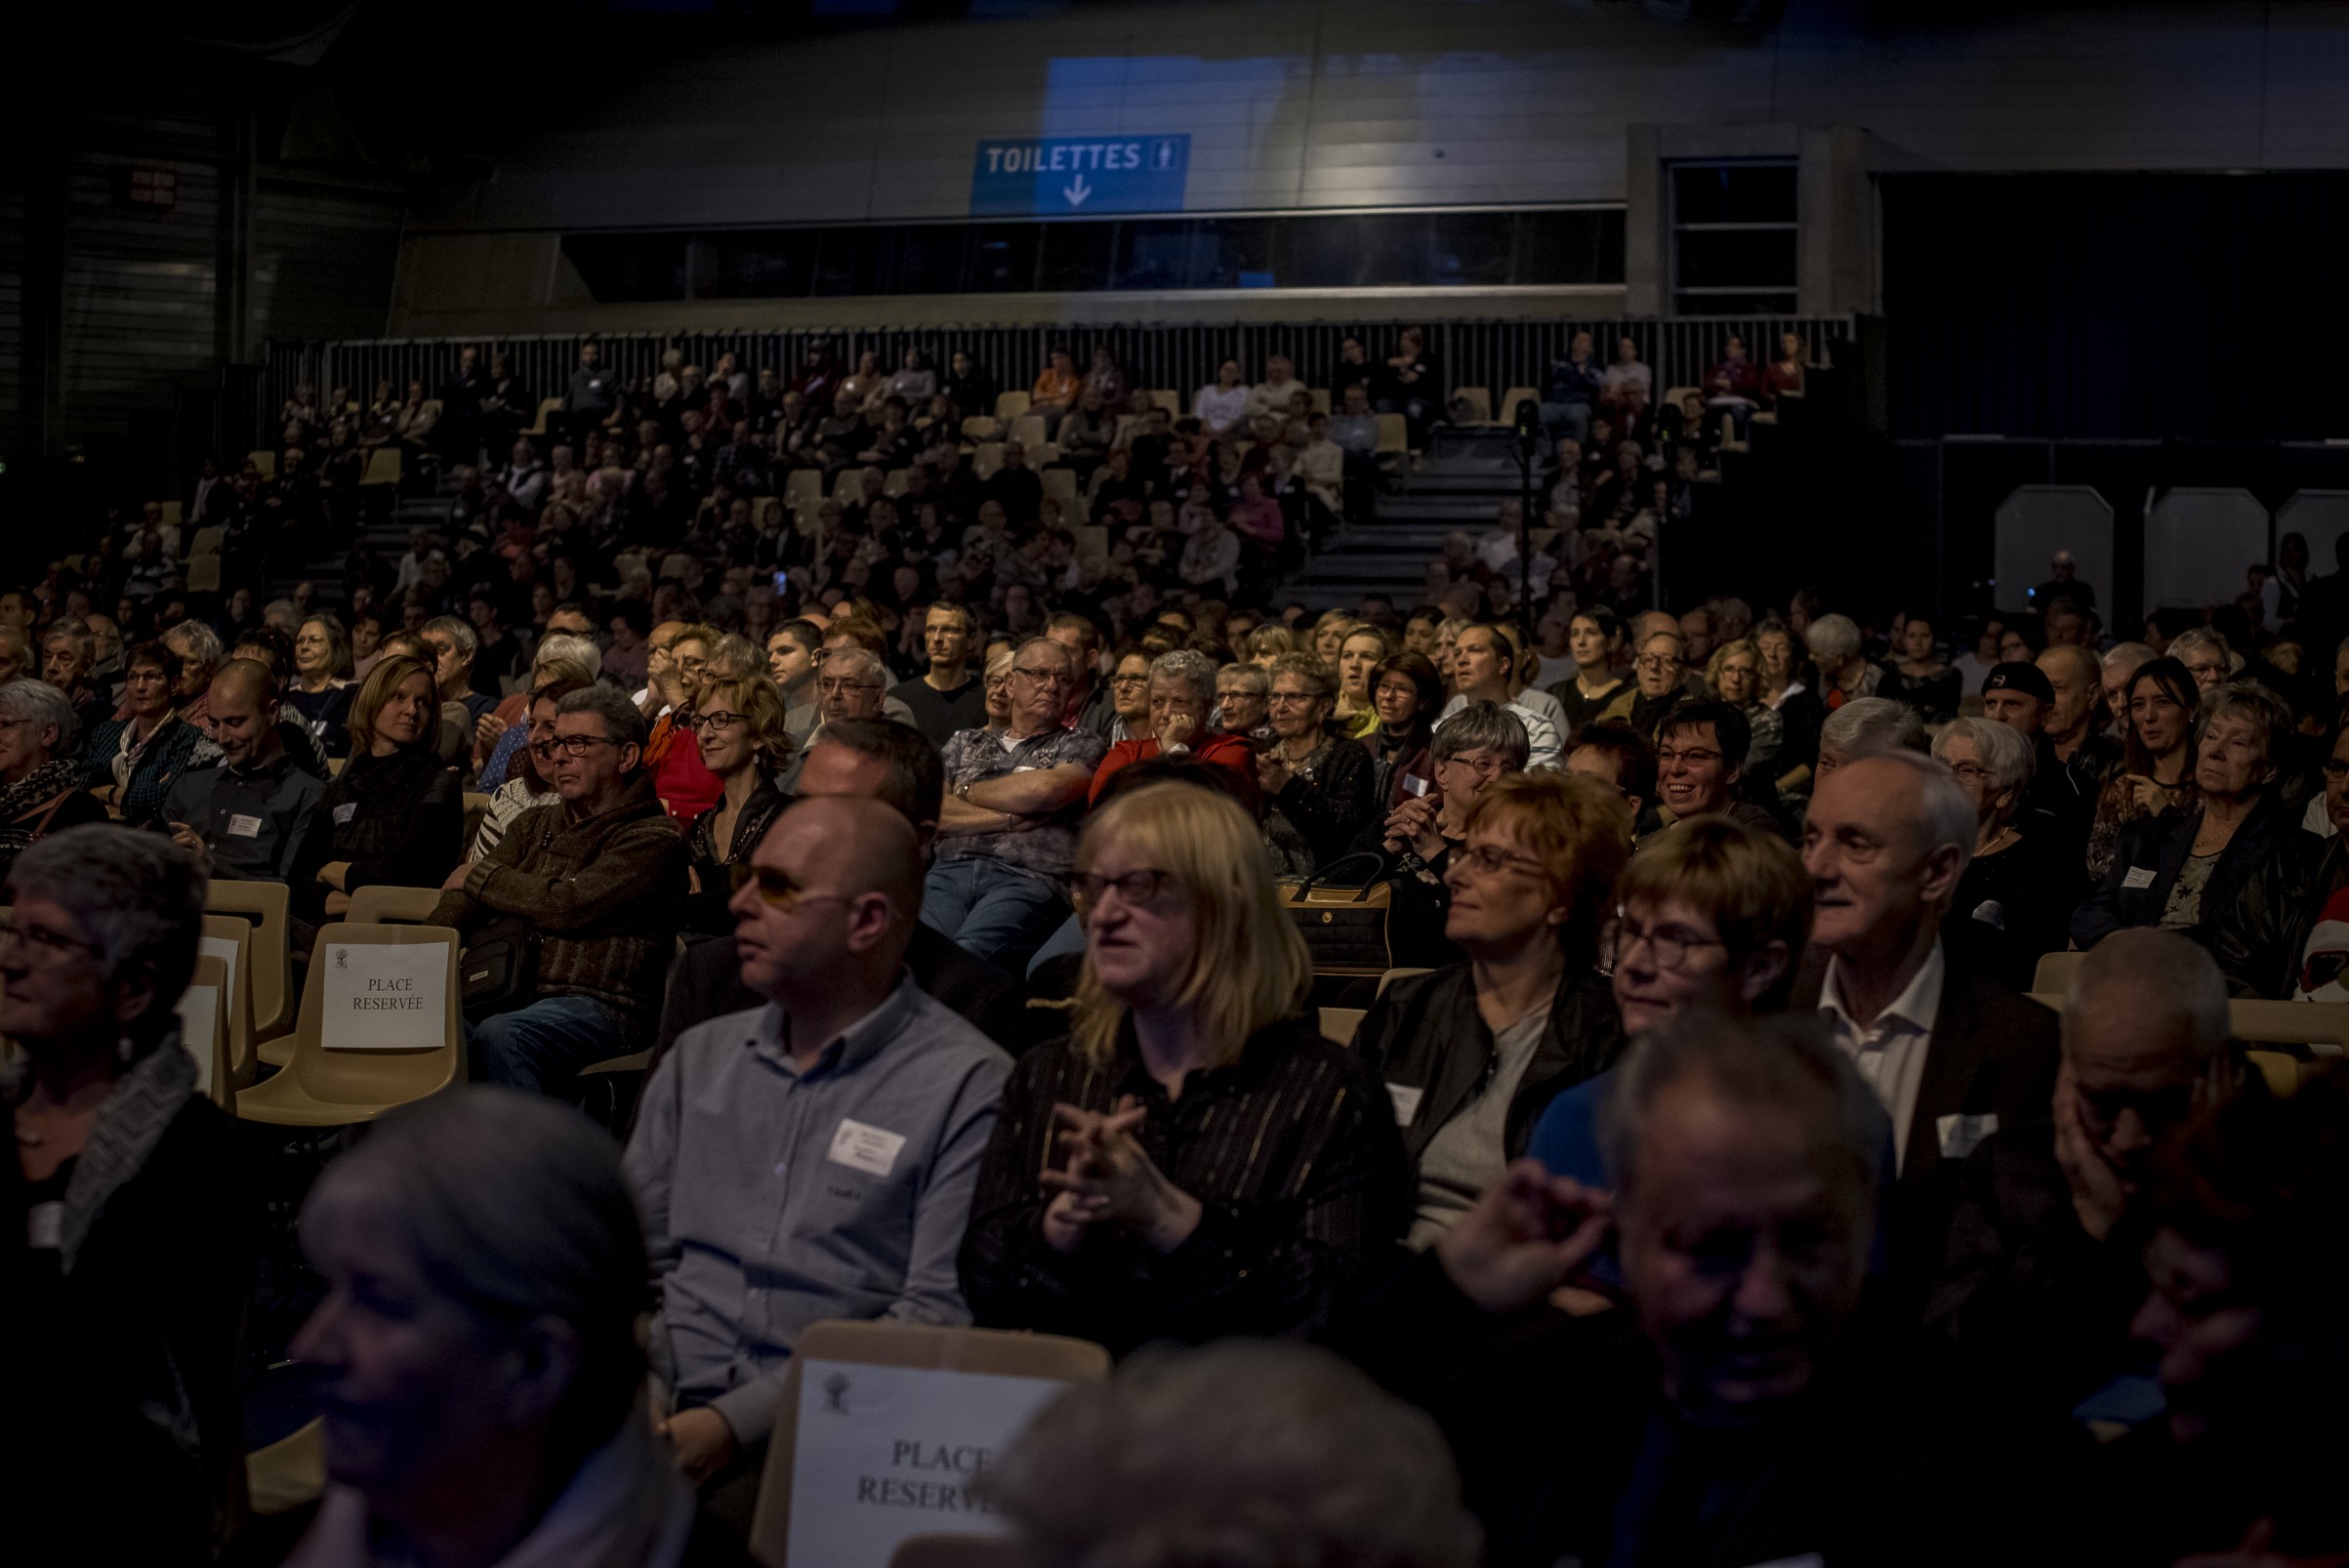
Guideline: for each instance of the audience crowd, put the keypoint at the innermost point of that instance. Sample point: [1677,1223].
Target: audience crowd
[965,911]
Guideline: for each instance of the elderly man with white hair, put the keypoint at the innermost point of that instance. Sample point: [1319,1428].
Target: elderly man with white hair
[2045,1261]
[1951,1052]
[1843,673]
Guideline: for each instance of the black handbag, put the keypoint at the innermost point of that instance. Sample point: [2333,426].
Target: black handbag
[499,972]
[1345,928]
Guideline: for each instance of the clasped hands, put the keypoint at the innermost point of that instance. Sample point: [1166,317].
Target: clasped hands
[1109,1179]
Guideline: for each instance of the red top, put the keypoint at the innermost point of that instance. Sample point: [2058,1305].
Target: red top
[685,785]
[1214,747]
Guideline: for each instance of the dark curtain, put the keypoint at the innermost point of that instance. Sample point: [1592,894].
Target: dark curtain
[2205,306]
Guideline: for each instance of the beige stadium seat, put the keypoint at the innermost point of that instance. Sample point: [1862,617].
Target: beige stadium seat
[207,541]
[1392,975]
[204,575]
[203,1011]
[476,807]
[1394,435]
[850,486]
[545,407]
[803,485]
[289,1474]
[230,939]
[2053,977]
[1011,405]
[389,906]
[264,462]
[987,459]
[1507,413]
[171,513]
[1321,399]
[1165,397]
[2323,1027]
[895,485]
[1339,1025]
[1480,398]
[2281,1069]
[1061,484]
[382,467]
[329,1083]
[981,427]
[920,1346]
[1673,396]
[1028,430]
[265,907]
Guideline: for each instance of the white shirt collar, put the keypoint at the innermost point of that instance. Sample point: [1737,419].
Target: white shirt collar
[1918,1003]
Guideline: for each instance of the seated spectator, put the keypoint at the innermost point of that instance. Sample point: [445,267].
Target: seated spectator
[1275,1453]
[1211,556]
[793,649]
[1009,830]
[1181,693]
[2075,755]
[948,698]
[873,759]
[1713,916]
[2274,941]
[1594,692]
[590,889]
[1243,701]
[1861,727]
[867,1227]
[394,816]
[506,730]
[40,769]
[126,1438]
[453,644]
[1317,784]
[272,648]
[69,657]
[2156,773]
[2010,906]
[2046,1259]
[248,817]
[1359,653]
[674,681]
[1190,1163]
[319,686]
[1700,762]
[1844,673]
[746,747]
[1405,696]
[1723,1136]
[1416,840]
[1659,680]
[1918,676]
[131,763]
[1734,675]
[1950,1051]
[2207,657]
[1484,666]
[1614,754]
[484,1271]
[2182,870]
[1055,391]
[526,786]
[1222,406]
[1473,1052]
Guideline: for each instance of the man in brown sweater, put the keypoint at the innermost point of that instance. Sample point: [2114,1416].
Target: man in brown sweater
[597,882]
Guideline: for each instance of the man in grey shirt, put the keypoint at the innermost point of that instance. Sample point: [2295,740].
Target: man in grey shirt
[813,1158]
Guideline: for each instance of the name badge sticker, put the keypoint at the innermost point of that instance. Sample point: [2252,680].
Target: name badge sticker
[242,826]
[871,1150]
[1407,1102]
[346,811]
[2138,877]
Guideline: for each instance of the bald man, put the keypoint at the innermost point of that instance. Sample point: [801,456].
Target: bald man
[813,1158]
[247,816]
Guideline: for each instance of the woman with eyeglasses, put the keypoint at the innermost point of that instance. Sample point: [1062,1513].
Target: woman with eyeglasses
[1714,914]
[1733,673]
[739,725]
[1319,782]
[2009,907]
[1473,1052]
[395,814]
[1192,1161]
[1416,840]
[2156,761]
[321,689]
[1406,694]
[129,762]
[126,1242]
[1130,697]
[996,689]
[40,772]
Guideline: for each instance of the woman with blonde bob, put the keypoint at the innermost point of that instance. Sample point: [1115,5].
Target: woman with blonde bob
[1193,1161]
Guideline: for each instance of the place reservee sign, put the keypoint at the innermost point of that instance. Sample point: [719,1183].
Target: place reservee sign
[381,997]
[886,1452]
[1068,176]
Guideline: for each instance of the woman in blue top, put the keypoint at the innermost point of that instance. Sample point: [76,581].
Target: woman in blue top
[1711,913]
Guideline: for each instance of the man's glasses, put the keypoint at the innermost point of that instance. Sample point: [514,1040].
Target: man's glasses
[1650,662]
[1138,889]
[842,683]
[569,746]
[1042,677]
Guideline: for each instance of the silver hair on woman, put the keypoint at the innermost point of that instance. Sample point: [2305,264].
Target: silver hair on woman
[139,896]
[1866,725]
[1244,1453]
[42,704]
[1191,669]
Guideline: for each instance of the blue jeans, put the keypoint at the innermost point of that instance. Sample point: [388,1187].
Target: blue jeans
[1563,419]
[545,1044]
[998,913]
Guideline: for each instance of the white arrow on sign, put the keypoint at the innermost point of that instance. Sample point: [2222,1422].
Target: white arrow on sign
[1077,192]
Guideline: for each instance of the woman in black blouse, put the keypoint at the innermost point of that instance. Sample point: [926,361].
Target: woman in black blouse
[1320,782]
[1407,694]
[744,740]
[395,814]
[1192,1161]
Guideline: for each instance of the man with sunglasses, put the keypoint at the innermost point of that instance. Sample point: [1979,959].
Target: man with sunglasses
[813,1157]
[1009,832]
[598,880]
[2045,1261]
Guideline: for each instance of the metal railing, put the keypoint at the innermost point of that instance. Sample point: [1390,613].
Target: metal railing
[1495,355]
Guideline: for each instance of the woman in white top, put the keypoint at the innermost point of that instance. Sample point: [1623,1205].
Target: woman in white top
[1222,406]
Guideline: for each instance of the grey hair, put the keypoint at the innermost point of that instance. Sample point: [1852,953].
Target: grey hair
[1781,1062]
[1480,724]
[571,646]
[43,704]
[84,642]
[197,642]
[516,1207]
[2202,637]
[856,663]
[2131,656]
[1070,659]
[2004,754]
[458,630]
[2250,700]
[1832,634]
[735,658]
[1945,812]
[1000,662]
[1247,1452]
[139,896]
[2146,970]
[1866,725]
[621,720]
[1192,668]
[1253,679]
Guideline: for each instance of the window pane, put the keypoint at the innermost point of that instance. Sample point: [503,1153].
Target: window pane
[1473,247]
[1743,258]
[630,267]
[1078,258]
[847,260]
[1322,253]
[1569,247]
[1153,255]
[1733,192]
[1232,253]
[758,265]
[1393,250]
[1002,259]
[927,260]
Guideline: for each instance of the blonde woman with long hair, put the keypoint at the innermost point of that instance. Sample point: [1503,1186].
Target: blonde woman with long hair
[1192,1161]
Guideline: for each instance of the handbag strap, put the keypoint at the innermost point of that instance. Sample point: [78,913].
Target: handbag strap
[1375,859]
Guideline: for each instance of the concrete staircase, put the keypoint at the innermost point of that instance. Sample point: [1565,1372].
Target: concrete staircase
[1457,485]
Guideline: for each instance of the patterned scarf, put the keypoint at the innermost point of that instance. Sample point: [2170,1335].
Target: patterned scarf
[29,795]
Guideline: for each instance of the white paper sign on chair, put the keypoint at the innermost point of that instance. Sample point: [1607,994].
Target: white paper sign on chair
[384,995]
[886,1453]
[199,1012]
[223,948]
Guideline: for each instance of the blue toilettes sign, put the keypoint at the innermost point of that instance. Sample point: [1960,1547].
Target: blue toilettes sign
[1069,175]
